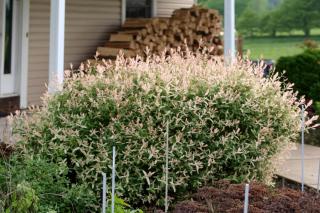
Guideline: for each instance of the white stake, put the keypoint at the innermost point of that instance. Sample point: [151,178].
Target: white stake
[302,147]
[246,199]
[104,192]
[167,165]
[318,184]
[113,177]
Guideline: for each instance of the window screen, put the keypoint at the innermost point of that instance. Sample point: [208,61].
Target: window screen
[138,8]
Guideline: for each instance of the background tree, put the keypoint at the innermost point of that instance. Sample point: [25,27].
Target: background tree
[249,23]
[300,14]
[272,22]
[268,24]
[241,5]
[250,11]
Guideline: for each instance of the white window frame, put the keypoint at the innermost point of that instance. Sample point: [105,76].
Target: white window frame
[15,83]
[7,81]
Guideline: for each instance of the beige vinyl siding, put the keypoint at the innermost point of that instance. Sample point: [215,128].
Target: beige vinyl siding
[166,7]
[88,23]
[38,49]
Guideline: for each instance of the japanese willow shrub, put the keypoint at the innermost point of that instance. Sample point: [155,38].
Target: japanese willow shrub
[224,122]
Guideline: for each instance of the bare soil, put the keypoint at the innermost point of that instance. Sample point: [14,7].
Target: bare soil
[227,197]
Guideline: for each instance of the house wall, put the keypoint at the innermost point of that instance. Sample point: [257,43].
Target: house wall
[88,23]
[39,24]
[87,26]
[166,7]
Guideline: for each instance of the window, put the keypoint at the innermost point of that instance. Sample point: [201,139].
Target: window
[138,8]
[8,36]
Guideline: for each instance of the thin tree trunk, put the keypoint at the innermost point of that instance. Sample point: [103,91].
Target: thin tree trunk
[306,31]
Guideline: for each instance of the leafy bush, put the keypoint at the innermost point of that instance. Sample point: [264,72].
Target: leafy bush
[32,184]
[120,206]
[224,122]
[304,71]
[23,198]
[309,44]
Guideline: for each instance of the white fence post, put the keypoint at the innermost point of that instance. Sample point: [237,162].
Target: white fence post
[113,178]
[302,147]
[246,199]
[167,169]
[104,191]
[318,183]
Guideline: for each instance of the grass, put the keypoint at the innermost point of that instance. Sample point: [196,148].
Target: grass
[274,48]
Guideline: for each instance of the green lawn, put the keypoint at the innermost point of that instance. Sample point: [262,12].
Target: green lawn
[273,48]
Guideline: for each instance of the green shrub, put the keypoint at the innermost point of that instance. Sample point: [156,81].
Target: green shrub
[120,206]
[23,199]
[304,71]
[309,44]
[32,184]
[224,122]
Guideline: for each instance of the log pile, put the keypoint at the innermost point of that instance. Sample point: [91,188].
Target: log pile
[188,26]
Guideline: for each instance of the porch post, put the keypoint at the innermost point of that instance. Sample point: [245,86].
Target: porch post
[56,54]
[229,31]
[24,54]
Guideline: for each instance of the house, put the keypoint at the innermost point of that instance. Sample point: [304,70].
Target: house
[40,38]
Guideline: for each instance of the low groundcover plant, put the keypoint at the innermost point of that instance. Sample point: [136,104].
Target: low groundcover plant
[225,122]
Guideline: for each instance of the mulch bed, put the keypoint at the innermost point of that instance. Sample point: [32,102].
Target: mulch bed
[227,197]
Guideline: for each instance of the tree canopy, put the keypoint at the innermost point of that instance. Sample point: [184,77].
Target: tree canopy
[300,14]
[272,16]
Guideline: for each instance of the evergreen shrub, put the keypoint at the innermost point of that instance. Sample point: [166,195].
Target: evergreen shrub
[303,70]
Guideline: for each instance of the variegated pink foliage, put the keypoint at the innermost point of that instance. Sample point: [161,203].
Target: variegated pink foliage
[225,122]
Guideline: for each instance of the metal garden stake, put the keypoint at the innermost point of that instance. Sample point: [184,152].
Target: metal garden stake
[104,191]
[167,165]
[318,183]
[246,199]
[302,147]
[113,177]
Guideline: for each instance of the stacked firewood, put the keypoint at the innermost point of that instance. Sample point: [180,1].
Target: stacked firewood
[192,27]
